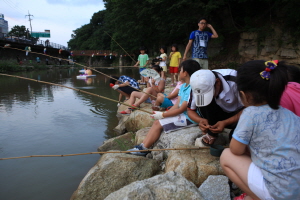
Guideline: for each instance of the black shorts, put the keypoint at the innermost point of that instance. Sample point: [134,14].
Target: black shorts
[127,89]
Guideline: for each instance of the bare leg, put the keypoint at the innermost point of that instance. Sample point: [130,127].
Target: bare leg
[172,78]
[160,98]
[132,98]
[236,168]
[145,96]
[153,134]
[127,96]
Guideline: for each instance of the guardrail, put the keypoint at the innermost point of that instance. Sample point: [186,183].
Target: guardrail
[32,41]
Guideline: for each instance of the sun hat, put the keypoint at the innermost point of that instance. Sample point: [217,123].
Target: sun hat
[202,83]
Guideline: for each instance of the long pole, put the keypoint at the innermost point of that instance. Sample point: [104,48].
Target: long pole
[79,154]
[78,90]
[82,66]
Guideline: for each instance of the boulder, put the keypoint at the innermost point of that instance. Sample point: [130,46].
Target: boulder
[161,187]
[112,172]
[215,187]
[186,136]
[140,135]
[121,143]
[139,119]
[194,165]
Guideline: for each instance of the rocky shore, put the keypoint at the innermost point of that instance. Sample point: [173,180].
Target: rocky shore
[174,174]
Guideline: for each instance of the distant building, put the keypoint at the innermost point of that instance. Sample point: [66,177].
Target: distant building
[3,24]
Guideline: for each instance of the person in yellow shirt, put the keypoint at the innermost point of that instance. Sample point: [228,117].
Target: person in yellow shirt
[175,58]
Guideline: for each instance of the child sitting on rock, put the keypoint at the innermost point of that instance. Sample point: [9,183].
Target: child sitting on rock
[269,131]
[154,86]
[176,118]
[166,101]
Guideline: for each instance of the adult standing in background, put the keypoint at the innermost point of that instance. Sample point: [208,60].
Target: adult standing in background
[198,41]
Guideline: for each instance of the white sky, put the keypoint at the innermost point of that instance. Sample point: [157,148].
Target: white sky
[61,17]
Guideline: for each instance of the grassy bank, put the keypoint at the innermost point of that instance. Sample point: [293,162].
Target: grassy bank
[13,66]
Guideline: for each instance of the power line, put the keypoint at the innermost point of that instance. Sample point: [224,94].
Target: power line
[11,4]
[17,7]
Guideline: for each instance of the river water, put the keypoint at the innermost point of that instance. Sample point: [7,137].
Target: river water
[40,119]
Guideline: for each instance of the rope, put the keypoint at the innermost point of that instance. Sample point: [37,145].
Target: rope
[78,90]
[82,66]
[105,152]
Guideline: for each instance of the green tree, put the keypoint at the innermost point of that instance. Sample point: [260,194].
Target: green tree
[152,23]
[19,31]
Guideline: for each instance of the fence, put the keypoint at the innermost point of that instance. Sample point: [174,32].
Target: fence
[32,41]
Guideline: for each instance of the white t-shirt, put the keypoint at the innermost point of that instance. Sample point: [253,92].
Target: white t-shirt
[228,99]
[163,63]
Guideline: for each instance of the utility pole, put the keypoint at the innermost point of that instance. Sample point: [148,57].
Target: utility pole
[29,15]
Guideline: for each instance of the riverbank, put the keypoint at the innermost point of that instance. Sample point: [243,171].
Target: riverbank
[13,66]
[171,174]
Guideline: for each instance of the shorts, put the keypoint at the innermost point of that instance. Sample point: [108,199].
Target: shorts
[168,123]
[203,62]
[174,70]
[148,100]
[166,103]
[256,183]
[164,68]
[127,89]
[142,68]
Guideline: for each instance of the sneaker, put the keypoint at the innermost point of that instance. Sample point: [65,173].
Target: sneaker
[138,148]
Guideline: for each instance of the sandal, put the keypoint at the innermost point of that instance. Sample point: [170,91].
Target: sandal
[241,197]
[132,108]
[210,139]
[125,113]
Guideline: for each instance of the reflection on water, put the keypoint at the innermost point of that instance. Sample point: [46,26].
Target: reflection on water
[40,119]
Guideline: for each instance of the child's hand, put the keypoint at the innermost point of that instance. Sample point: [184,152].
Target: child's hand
[203,125]
[209,26]
[157,115]
[218,127]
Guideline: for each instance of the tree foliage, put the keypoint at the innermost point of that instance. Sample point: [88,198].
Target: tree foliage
[19,31]
[152,23]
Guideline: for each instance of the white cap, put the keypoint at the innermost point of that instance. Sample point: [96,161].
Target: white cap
[202,83]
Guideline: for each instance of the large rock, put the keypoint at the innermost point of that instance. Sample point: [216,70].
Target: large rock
[112,172]
[140,135]
[194,165]
[137,119]
[121,143]
[186,136]
[216,188]
[161,187]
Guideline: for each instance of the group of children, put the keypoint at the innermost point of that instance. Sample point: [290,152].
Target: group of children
[174,57]
[259,102]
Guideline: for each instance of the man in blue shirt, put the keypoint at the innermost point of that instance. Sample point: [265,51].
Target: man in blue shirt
[198,41]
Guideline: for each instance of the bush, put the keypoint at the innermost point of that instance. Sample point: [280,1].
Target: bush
[10,65]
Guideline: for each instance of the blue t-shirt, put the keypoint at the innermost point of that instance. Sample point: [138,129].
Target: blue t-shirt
[132,81]
[184,94]
[274,140]
[200,40]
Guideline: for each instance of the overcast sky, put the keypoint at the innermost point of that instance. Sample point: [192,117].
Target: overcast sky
[61,17]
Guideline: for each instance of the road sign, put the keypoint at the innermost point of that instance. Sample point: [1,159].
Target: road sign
[40,34]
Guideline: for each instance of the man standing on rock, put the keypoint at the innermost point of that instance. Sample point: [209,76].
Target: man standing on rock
[198,41]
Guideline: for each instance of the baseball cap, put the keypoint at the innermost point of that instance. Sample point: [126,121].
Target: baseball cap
[202,83]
